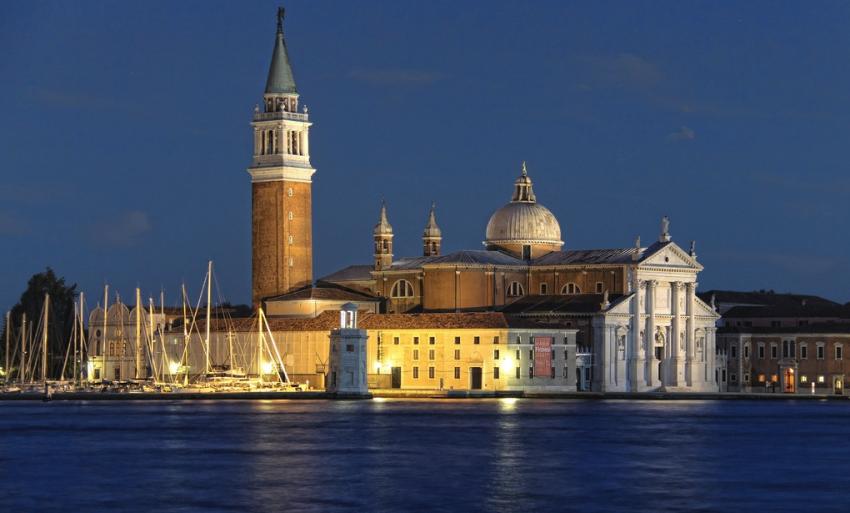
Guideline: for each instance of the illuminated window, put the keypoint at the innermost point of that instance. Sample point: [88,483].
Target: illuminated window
[804,379]
[291,216]
[291,261]
[431,372]
[289,192]
[515,289]
[457,372]
[291,239]
[761,378]
[401,289]
[774,378]
[416,373]
[821,379]
[570,288]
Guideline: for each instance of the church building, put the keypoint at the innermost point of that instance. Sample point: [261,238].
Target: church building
[632,312]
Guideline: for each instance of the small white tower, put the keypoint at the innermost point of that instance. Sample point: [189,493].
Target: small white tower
[348,356]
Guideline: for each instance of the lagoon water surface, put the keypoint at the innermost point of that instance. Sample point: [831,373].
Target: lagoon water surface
[400,455]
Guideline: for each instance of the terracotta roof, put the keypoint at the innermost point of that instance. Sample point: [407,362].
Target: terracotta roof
[788,310]
[480,256]
[324,293]
[359,272]
[762,297]
[329,320]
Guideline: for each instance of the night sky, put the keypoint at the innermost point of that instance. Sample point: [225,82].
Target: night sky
[125,137]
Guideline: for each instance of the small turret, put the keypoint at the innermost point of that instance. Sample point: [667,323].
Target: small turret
[432,236]
[383,236]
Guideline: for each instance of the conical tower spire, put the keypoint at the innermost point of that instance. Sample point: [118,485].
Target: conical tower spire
[431,236]
[383,237]
[280,80]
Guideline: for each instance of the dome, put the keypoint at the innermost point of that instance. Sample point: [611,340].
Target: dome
[523,221]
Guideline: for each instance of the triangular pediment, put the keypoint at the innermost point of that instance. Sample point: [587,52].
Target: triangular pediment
[670,255]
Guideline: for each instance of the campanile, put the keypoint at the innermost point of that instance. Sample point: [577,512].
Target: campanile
[281,184]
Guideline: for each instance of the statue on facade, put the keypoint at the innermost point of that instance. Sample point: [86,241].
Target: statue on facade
[665,230]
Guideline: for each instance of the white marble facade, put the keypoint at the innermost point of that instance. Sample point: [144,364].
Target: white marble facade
[660,336]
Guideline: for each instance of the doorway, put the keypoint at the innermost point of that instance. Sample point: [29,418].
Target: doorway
[837,385]
[790,381]
[475,378]
[396,377]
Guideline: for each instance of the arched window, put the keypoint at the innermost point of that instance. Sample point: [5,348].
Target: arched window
[570,288]
[515,289]
[401,288]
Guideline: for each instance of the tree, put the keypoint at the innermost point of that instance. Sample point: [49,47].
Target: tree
[60,315]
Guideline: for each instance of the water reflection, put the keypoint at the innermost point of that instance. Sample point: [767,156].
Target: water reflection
[491,455]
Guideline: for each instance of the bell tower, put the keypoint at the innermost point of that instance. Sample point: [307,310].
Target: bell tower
[383,237]
[281,179]
[431,236]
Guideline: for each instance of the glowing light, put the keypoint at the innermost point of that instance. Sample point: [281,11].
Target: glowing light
[378,366]
[507,364]
[267,367]
[174,367]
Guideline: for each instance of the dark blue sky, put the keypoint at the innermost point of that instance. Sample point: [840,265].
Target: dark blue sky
[124,132]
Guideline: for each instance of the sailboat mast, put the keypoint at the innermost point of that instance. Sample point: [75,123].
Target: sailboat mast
[209,306]
[74,352]
[23,334]
[260,340]
[185,339]
[8,334]
[44,339]
[103,337]
[138,333]
[82,336]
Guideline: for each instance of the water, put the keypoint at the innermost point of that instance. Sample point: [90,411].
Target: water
[503,455]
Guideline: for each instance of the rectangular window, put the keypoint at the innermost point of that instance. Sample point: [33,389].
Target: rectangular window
[495,354]
[599,286]
[495,373]
[531,371]
[774,324]
[733,378]
[496,339]
[544,289]
[519,339]
[761,351]
[517,373]
[531,354]
[553,372]
[476,340]
[457,354]
[785,346]
[395,340]
[431,354]
[761,378]
[415,340]
[457,340]
[746,378]
[773,351]
[804,352]
[349,348]
[416,373]
[432,340]
[457,372]
[733,350]
[746,351]
[723,375]
[431,372]
[820,351]
[804,379]
[517,355]
[566,372]
[821,379]
[415,354]
[839,352]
